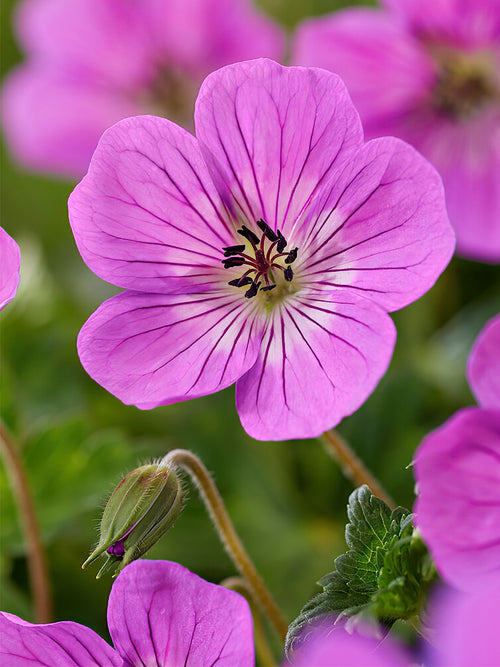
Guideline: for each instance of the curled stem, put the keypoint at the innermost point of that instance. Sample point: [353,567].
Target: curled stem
[262,648]
[37,565]
[215,506]
[352,466]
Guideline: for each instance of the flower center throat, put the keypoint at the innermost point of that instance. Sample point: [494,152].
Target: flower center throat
[263,262]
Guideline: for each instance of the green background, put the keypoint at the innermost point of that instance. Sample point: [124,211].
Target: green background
[287,499]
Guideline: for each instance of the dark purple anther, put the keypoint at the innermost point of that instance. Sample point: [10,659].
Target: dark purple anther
[281,243]
[252,291]
[267,288]
[233,261]
[240,282]
[268,232]
[288,274]
[292,256]
[248,234]
[233,250]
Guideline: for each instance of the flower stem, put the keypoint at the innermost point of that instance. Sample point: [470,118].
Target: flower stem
[352,466]
[37,566]
[262,648]
[232,543]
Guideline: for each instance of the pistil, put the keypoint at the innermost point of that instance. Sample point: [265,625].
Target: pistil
[260,261]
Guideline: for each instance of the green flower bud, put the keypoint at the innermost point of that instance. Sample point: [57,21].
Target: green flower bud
[144,505]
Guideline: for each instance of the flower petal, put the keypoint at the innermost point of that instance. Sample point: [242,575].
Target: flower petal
[151,349]
[64,644]
[335,647]
[384,228]
[457,468]
[483,367]
[247,118]
[9,268]
[466,629]
[147,215]
[384,66]
[321,357]
[468,158]
[71,115]
[203,35]
[160,613]
[92,38]
[467,23]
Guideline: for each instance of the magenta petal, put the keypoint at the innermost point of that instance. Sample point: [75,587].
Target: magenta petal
[384,66]
[457,468]
[93,39]
[321,357]
[148,213]
[70,116]
[64,644]
[466,629]
[203,35]
[10,257]
[467,23]
[470,163]
[161,613]
[483,367]
[151,349]
[247,116]
[335,647]
[384,229]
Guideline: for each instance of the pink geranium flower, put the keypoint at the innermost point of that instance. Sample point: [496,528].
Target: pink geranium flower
[92,62]
[159,614]
[464,634]
[427,71]
[457,468]
[266,252]
[10,260]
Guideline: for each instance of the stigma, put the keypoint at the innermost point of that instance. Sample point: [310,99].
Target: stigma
[262,262]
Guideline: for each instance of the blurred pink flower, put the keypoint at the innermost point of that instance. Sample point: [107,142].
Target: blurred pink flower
[464,634]
[427,71]
[91,63]
[457,468]
[10,260]
[483,368]
[266,252]
[159,614]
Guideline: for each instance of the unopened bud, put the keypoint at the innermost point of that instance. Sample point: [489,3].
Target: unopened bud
[144,505]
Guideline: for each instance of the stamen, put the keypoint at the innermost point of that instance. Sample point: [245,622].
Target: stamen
[281,242]
[253,290]
[240,282]
[249,235]
[233,250]
[266,255]
[233,261]
[269,233]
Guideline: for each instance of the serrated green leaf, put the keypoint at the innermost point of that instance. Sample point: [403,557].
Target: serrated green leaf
[384,574]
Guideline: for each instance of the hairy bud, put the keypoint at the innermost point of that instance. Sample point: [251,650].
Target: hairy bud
[144,505]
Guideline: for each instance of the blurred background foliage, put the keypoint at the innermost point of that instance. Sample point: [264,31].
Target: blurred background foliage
[287,499]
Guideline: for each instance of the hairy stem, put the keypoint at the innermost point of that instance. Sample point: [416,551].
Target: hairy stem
[37,565]
[352,466]
[232,543]
[264,653]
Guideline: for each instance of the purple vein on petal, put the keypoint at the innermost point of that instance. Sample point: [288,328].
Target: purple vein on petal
[309,346]
[186,200]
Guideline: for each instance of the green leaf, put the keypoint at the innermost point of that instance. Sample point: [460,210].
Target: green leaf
[383,576]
